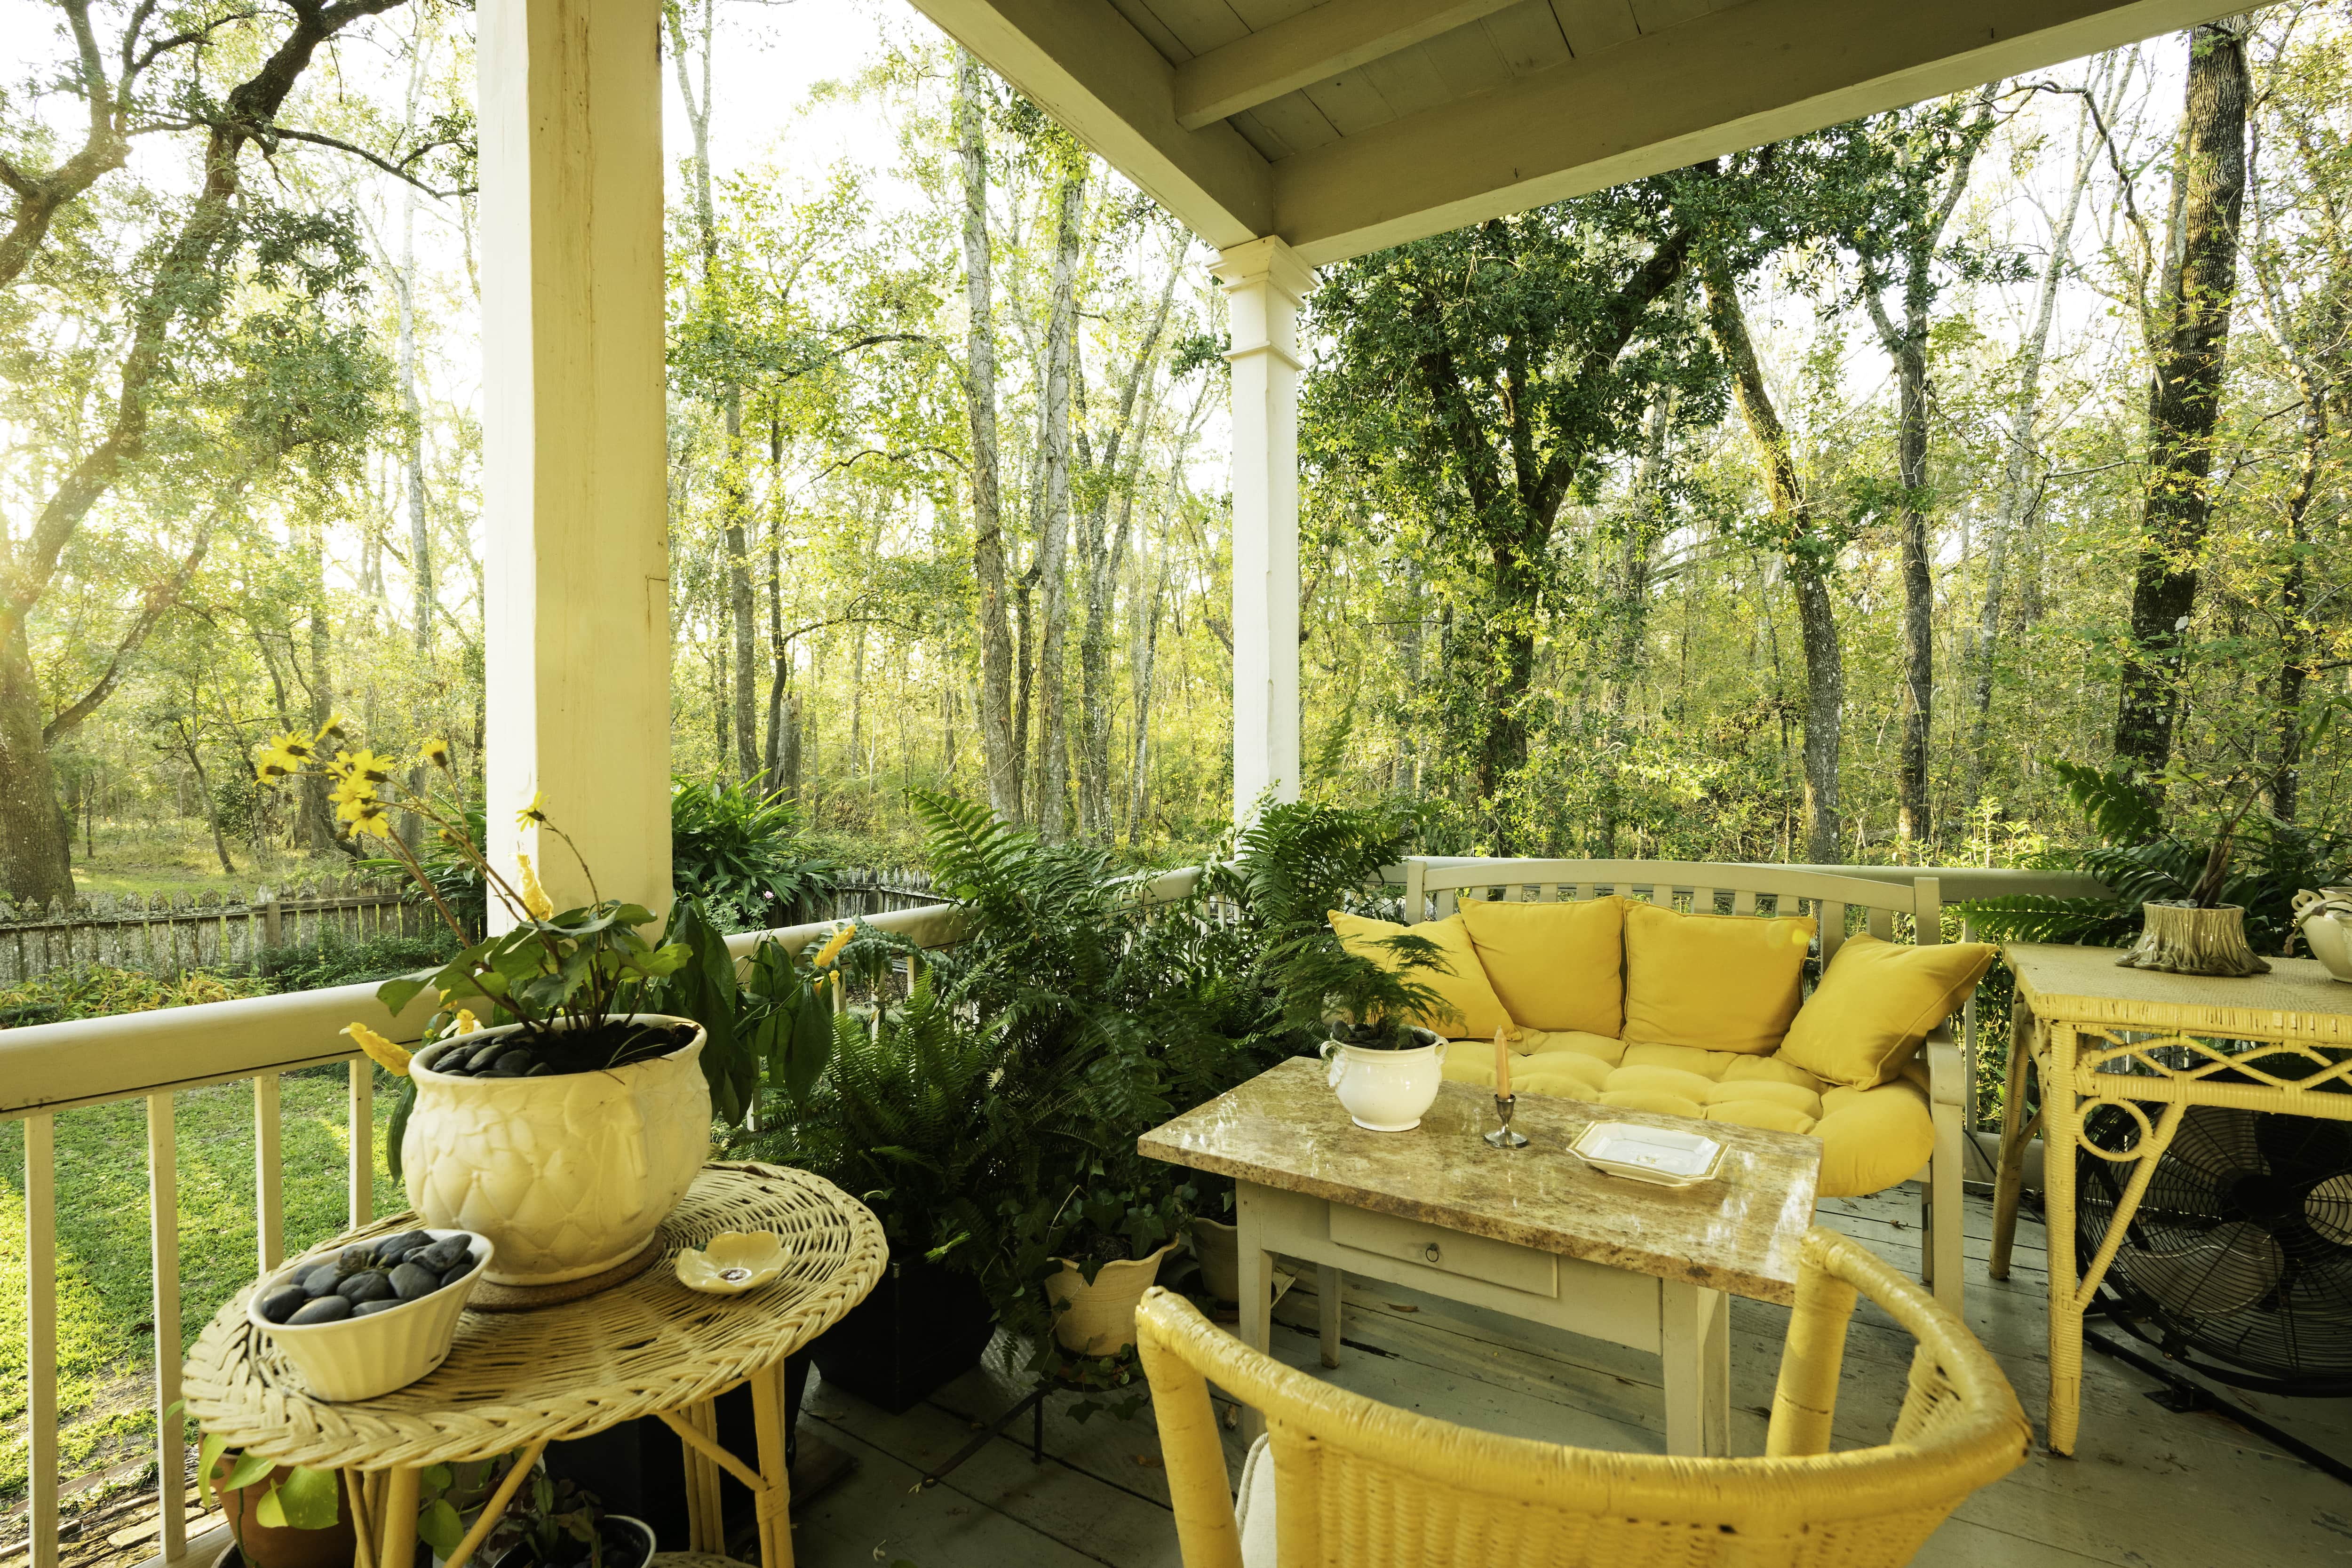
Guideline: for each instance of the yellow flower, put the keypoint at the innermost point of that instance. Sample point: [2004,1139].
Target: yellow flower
[394,1059]
[834,944]
[435,752]
[332,730]
[366,765]
[535,812]
[350,790]
[368,816]
[275,765]
[290,744]
[535,901]
[467,1023]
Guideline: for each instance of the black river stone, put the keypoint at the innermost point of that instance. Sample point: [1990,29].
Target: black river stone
[372,1285]
[412,1279]
[325,1310]
[366,1309]
[283,1302]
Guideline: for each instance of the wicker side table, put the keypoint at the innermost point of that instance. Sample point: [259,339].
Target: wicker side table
[2097,1034]
[521,1380]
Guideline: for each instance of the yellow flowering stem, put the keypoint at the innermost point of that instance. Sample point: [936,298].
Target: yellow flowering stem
[833,946]
[394,1059]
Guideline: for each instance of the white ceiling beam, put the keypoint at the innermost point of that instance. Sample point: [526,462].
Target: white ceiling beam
[1752,74]
[1087,66]
[1311,47]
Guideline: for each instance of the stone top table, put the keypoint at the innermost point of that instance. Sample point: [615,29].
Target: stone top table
[515,1380]
[1738,1233]
[1532,1232]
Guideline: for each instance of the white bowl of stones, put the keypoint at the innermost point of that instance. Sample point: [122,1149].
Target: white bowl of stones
[372,1316]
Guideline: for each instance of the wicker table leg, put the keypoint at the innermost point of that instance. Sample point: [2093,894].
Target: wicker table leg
[775,1495]
[2060,1127]
[2016,1132]
[399,1522]
[706,1523]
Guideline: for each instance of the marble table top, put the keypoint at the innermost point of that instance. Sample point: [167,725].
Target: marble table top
[1738,1232]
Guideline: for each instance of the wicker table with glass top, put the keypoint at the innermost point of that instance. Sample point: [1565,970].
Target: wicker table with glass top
[517,1381]
[2097,1034]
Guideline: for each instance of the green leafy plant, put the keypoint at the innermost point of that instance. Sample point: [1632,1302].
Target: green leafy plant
[743,855]
[556,1522]
[2240,856]
[334,959]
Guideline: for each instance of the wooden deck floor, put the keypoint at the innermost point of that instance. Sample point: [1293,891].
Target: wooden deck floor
[2148,1488]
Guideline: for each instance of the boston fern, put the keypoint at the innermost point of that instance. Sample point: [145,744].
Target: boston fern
[2247,857]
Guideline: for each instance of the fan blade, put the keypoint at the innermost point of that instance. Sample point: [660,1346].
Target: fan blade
[2328,1209]
[2302,1148]
[2220,1275]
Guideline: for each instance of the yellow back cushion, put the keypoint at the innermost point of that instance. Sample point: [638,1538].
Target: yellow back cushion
[1478,1011]
[1723,983]
[1876,1003]
[1554,966]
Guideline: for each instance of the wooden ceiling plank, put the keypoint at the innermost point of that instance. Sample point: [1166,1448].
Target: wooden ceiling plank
[1147,21]
[1592,25]
[1295,119]
[1468,59]
[1742,76]
[1408,80]
[1091,70]
[1352,102]
[1528,37]
[1313,46]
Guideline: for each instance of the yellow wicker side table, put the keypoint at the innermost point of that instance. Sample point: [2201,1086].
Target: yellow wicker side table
[517,1381]
[2097,1034]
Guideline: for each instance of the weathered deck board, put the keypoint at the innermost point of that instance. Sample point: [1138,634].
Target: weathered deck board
[2148,1487]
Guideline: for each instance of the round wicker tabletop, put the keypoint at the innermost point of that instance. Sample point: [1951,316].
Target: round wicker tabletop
[640,1348]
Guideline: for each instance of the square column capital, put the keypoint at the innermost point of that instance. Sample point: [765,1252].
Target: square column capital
[1270,262]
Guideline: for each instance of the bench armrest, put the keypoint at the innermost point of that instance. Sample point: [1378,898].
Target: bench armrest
[1945,1069]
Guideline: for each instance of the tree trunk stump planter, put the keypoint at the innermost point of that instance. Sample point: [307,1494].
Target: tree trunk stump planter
[2178,940]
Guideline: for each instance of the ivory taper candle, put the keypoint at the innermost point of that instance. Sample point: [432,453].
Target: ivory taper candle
[1502,1066]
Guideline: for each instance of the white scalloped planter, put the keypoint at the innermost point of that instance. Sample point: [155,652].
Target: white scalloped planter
[1099,1319]
[567,1174]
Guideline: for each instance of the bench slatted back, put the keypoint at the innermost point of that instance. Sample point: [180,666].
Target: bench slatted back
[1434,889]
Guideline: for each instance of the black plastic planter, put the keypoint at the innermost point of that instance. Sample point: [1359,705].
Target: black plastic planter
[924,1325]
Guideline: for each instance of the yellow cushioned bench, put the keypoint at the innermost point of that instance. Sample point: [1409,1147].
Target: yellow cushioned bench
[1670,987]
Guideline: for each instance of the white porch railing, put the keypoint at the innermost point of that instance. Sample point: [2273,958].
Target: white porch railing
[53,1067]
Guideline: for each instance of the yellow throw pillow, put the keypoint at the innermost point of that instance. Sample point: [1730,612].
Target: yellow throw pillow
[1722,982]
[1554,966]
[1479,1013]
[1877,1002]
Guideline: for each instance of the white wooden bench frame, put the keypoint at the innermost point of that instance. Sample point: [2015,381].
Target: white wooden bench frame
[1434,886]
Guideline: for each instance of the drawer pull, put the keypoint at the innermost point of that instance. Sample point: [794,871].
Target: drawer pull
[1431,1252]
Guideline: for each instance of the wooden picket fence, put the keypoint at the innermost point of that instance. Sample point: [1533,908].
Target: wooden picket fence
[166,933]
[169,933]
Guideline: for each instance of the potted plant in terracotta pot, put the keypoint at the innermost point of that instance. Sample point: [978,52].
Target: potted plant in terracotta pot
[550,1111]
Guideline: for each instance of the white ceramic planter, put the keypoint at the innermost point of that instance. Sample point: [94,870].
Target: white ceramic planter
[359,1358]
[1386,1092]
[2328,928]
[567,1174]
[1100,1317]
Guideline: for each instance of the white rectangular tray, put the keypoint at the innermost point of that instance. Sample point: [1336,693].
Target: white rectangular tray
[1660,1155]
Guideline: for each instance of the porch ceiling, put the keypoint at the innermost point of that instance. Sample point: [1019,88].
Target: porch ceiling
[1355,124]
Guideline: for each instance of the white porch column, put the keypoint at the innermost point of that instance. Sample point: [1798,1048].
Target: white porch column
[577,620]
[1264,282]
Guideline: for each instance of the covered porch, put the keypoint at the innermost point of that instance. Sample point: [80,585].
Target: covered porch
[1288,137]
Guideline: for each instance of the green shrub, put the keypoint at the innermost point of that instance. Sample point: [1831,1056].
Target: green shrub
[743,855]
[334,959]
[101,992]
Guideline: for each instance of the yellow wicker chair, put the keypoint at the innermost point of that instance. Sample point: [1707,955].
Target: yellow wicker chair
[1356,1484]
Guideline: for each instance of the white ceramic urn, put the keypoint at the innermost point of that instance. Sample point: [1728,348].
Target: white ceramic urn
[567,1174]
[1386,1092]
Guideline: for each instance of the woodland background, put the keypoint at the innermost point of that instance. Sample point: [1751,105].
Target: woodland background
[1804,506]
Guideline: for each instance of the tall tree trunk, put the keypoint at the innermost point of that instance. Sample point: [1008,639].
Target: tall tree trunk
[773,775]
[2018,483]
[1001,756]
[1101,559]
[1053,543]
[2185,396]
[35,847]
[420,534]
[1644,526]
[1811,558]
[318,814]
[186,736]
[1907,345]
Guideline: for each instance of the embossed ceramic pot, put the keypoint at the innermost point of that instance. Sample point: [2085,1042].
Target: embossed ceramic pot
[1386,1092]
[567,1174]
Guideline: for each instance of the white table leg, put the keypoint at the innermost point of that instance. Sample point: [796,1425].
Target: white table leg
[1327,1310]
[1256,1276]
[1694,1348]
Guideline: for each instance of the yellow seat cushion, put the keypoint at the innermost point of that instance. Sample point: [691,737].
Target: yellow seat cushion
[1543,1042]
[1555,966]
[1473,1011]
[1724,983]
[1874,1005]
[1873,1138]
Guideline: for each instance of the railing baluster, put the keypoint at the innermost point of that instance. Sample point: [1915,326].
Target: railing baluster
[268,1208]
[41,1334]
[164,1248]
[363,1140]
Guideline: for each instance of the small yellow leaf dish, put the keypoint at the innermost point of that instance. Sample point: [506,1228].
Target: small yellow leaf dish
[732,1263]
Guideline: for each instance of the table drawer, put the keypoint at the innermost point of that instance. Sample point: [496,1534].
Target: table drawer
[1453,1251]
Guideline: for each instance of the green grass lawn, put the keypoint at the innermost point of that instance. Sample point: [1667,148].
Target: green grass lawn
[106,1339]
